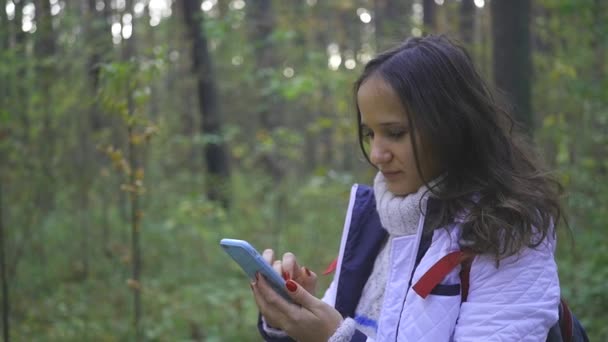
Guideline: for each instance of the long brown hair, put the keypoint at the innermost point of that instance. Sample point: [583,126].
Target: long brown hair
[491,170]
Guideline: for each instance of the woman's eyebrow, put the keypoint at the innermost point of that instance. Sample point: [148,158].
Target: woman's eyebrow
[392,123]
[387,124]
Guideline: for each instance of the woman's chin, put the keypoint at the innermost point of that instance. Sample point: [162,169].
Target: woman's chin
[398,190]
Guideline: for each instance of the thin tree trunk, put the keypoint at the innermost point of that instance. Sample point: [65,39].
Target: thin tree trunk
[18,42]
[485,37]
[512,55]
[598,43]
[5,293]
[216,158]
[467,22]
[326,105]
[429,18]
[5,31]
[261,21]
[134,191]
[391,22]
[4,96]
[135,230]
[43,143]
[85,150]
[45,49]
[100,46]
[19,104]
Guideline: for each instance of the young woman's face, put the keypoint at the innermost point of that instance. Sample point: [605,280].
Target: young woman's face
[385,126]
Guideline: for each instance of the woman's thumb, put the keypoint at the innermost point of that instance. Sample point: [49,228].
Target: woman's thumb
[299,295]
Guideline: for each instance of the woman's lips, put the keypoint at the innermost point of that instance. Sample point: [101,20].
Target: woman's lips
[390,175]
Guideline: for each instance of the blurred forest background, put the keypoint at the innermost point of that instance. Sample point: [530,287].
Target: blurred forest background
[135,134]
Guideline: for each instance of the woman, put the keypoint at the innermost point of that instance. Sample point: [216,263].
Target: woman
[455,180]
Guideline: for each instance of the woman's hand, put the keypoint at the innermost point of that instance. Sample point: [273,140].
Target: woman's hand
[311,320]
[288,268]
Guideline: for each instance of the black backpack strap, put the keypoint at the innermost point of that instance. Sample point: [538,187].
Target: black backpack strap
[565,321]
[465,272]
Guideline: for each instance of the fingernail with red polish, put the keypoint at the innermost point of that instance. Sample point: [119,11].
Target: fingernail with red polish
[291,286]
[285,276]
[257,276]
[307,271]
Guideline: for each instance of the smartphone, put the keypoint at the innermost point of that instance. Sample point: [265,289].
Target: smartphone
[252,262]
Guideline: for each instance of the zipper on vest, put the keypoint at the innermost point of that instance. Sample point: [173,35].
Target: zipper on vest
[419,238]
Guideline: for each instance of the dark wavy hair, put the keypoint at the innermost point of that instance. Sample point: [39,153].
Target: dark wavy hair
[490,169]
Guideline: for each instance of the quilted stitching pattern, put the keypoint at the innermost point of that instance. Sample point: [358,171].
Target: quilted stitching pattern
[401,264]
[517,302]
[432,319]
[523,304]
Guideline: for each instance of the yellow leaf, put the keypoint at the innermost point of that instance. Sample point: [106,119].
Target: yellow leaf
[139,174]
[134,284]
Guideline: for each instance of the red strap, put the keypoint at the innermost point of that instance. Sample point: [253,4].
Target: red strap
[566,322]
[332,267]
[437,272]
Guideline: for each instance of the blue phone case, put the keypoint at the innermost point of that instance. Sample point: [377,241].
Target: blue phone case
[252,262]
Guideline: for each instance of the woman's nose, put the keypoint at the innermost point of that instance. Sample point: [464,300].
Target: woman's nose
[379,154]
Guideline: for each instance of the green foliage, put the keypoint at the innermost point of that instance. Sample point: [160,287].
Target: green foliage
[189,284]
[68,237]
[572,104]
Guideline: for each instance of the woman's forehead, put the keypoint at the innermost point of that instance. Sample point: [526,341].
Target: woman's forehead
[379,102]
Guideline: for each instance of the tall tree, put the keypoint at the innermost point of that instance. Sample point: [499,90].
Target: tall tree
[97,31]
[3,264]
[599,41]
[216,158]
[4,95]
[467,22]
[392,22]
[18,105]
[5,30]
[512,55]
[45,48]
[261,21]
[133,171]
[429,19]
[3,237]
[18,42]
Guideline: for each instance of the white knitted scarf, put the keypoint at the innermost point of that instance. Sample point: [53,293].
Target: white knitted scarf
[400,216]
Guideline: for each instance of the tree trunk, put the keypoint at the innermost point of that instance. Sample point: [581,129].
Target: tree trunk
[599,44]
[45,50]
[3,264]
[216,157]
[100,47]
[512,55]
[598,41]
[135,185]
[6,28]
[4,96]
[429,19]
[85,150]
[18,42]
[261,21]
[467,22]
[392,22]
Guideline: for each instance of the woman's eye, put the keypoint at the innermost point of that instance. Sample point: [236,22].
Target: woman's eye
[367,133]
[396,134]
